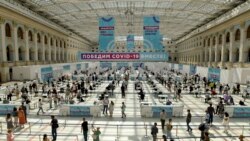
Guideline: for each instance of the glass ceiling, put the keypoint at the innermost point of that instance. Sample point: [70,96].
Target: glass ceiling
[178,17]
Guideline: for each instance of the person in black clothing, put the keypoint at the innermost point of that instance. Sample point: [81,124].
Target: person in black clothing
[142,95]
[154,131]
[211,112]
[54,126]
[123,91]
[84,129]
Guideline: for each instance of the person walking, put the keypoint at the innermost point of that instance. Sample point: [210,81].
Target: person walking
[111,108]
[163,116]
[211,112]
[203,127]
[123,108]
[225,122]
[84,129]
[40,106]
[169,128]
[154,131]
[188,120]
[10,136]
[15,115]
[21,117]
[96,134]
[123,90]
[24,108]
[206,136]
[54,126]
[9,121]
[105,105]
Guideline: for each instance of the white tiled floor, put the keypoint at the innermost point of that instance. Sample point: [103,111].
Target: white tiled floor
[133,127]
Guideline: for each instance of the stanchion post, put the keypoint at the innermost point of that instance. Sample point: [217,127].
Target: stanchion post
[243,130]
[146,128]
[39,137]
[117,131]
[29,128]
[76,137]
[176,130]
[1,127]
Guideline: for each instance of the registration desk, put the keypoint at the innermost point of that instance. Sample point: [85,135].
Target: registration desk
[7,108]
[238,111]
[86,110]
[149,110]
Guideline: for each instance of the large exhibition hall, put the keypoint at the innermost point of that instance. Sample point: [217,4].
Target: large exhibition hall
[124,70]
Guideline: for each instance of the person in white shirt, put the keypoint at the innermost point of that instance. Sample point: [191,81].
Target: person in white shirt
[105,105]
[225,122]
[40,106]
[163,116]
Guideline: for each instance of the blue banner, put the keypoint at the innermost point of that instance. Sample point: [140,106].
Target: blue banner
[46,74]
[79,110]
[192,70]
[153,56]
[78,66]
[156,110]
[136,65]
[151,34]
[121,65]
[214,74]
[7,108]
[180,67]
[106,65]
[130,42]
[106,33]
[241,112]
[66,67]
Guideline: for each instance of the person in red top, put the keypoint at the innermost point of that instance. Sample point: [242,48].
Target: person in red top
[10,136]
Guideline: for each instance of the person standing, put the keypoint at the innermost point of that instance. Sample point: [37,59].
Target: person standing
[40,106]
[96,134]
[123,107]
[123,90]
[211,112]
[21,117]
[154,131]
[225,122]
[84,129]
[15,115]
[169,128]
[203,127]
[105,105]
[206,136]
[10,136]
[163,116]
[54,126]
[188,120]
[111,108]
[9,121]
[24,110]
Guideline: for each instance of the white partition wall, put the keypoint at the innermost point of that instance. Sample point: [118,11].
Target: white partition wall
[202,71]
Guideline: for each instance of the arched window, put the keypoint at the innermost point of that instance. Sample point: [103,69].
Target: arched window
[64,44]
[208,42]
[228,38]
[214,41]
[248,32]
[30,36]
[56,43]
[38,38]
[20,33]
[220,39]
[7,30]
[237,35]
[51,42]
[204,43]
[45,40]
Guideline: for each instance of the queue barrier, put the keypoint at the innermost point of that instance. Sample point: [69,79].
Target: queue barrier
[7,108]
[149,110]
[237,111]
[86,110]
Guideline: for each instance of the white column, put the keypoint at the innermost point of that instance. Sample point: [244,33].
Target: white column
[223,47]
[55,49]
[36,48]
[26,32]
[49,46]
[3,56]
[216,58]
[242,57]
[231,49]
[210,49]
[43,47]
[206,59]
[16,58]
